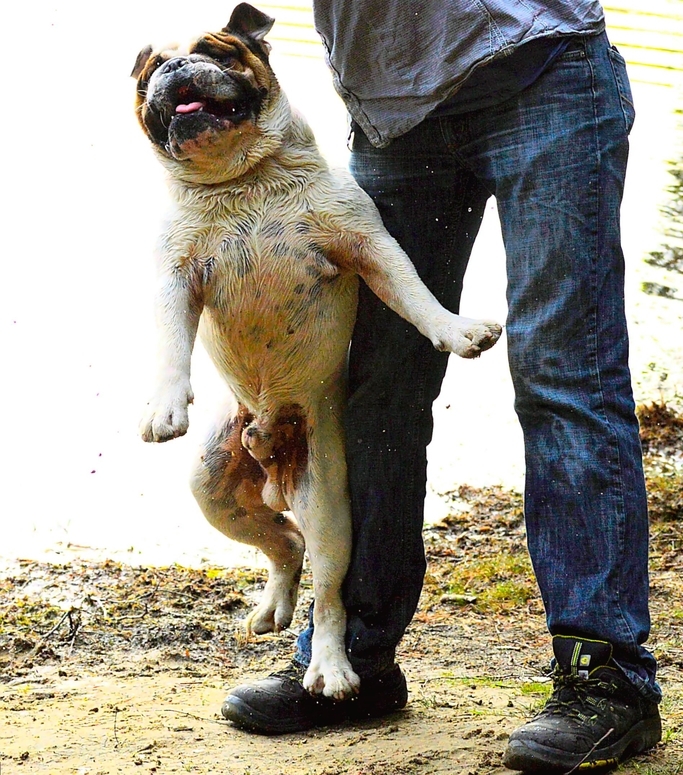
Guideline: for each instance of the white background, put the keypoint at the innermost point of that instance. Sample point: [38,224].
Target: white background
[83,197]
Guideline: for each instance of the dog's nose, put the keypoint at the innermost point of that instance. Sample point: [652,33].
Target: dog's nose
[171,65]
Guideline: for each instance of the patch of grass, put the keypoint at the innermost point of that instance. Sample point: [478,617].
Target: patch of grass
[499,584]
[536,688]
[669,736]
[505,594]
[535,694]
[477,682]
[26,617]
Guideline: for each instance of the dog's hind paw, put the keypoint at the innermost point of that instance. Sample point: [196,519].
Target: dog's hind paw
[269,618]
[276,609]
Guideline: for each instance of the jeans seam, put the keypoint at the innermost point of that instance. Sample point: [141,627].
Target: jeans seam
[617,485]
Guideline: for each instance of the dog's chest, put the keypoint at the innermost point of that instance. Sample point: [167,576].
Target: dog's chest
[265,268]
[272,298]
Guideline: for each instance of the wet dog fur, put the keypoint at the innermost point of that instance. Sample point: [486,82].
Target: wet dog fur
[261,256]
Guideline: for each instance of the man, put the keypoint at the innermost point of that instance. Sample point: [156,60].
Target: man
[453,101]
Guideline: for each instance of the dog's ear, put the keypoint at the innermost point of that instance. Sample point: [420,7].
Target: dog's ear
[247,20]
[141,61]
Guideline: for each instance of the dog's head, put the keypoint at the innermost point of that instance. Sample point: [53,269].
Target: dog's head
[214,109]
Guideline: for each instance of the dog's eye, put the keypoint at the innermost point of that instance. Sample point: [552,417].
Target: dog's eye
[226,56]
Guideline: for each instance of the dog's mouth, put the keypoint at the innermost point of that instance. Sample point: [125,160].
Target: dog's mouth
[188,111]
[190,103]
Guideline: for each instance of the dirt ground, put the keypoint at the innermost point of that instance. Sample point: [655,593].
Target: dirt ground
[107,668]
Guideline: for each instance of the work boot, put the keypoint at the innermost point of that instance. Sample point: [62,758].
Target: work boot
[279,703]
[594,718]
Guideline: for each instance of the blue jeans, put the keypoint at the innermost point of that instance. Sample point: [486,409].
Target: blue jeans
[554,157]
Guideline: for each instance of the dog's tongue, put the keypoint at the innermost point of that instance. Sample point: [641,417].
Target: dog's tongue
[191,107]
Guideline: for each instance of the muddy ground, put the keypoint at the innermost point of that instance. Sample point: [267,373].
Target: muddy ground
[108,668]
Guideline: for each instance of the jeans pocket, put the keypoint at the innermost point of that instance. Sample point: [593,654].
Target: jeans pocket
[576,49]
[623,85]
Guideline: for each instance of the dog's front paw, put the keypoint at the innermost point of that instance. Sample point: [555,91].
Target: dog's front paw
[166,416]
[467,338]
[333,678]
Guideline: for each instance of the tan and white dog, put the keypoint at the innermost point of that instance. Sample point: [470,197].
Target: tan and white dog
[262,254]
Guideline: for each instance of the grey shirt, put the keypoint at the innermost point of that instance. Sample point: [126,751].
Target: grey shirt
[394,61]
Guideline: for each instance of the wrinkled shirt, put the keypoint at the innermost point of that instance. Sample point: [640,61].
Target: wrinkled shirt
[394,61]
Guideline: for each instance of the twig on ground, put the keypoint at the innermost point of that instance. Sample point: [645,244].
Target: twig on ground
[578,764]
[66,615]
[75,623]
[116,737]
[221,722]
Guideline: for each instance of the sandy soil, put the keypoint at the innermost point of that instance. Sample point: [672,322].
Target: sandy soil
[108,668]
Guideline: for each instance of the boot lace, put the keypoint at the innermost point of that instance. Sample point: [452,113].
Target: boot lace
[578,698]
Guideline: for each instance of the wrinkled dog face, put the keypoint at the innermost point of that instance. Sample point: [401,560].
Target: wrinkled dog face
[212,111]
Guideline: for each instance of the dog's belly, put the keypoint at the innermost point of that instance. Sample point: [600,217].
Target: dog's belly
[280,333]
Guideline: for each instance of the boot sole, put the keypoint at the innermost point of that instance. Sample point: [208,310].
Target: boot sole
[245,717]
[534,758]
[327,713]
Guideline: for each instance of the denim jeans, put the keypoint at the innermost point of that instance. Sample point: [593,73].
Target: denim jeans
[555,158]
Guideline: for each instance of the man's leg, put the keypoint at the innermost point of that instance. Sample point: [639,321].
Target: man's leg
[433,208]
[556,157]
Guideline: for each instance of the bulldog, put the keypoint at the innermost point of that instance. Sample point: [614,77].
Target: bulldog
[261,256]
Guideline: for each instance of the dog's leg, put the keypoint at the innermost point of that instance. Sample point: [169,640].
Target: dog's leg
[178,309]
[228,484]
[391,276]
[321,504]
[370,251]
